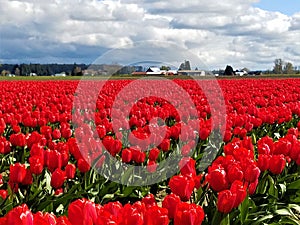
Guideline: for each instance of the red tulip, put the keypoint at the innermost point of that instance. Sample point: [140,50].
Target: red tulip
[36,164]
[63,220]
[58,178]
[153,154]
[240,191]
[20,216]
[3,194]
[217,179]
[17,173]
[186,150]
[227,136]
[151,166]
[66,133]
[235,173]
[58,191]
[18,140]
[114,208]
[226,201]
[170,202]
[82,212]
[156,216]
[182,186]
[252,187]
[70,171]
[4,146]
[83,166]
[252,173]
[53,160]
[101,130]
[34,138]
[56,134]
[295,150]
[187,166]
[204,134]
[282,146]
[265,145]
[40,218]
[165,145]
[131,216]
[16,129]
[149,201]
[188,214]
[126,155]
[28,178]
[138,156]
[263,162]
[46,131]
[277,164]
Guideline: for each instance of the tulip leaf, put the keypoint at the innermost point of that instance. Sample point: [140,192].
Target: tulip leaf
[226,220]
[244,208]
[295,207]
[108,196]
[294,185]
[127,176]
[259,221]
[263,184]
[282,189]
[283,212]
[289,220]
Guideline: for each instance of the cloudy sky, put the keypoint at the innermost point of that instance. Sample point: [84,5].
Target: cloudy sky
[242,33]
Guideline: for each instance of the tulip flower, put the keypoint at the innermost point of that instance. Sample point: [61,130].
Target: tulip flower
[18,139]
[277,164]
[170,202]
[187,166]
[188,214]
[70,171]
[82,212]
[17,173]
[156,216]
[182,186]
[226,201]
[3,194]
[58,178]
[20,216]
[217,179]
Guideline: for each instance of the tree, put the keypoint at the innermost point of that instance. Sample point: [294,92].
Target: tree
[229,71]
[165,68]
[25,69]
[17,72]
[185,65]
[77,71]
[278,67]
[288,68]
[5,72]
[246,69]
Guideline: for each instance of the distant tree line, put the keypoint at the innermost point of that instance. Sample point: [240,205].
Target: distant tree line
[282,67]
[42,69]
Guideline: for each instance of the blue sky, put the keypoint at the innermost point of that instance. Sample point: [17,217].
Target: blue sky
[288,7]
[236,32]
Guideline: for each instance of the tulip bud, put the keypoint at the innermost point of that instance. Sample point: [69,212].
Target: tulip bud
[58,178]
[277,164]
[182,186]
[226,201]
[170,202]
[70,171]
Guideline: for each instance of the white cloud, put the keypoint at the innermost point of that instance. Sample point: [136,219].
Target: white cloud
[230,32]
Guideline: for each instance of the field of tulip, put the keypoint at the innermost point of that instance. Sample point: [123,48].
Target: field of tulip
[104,161]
